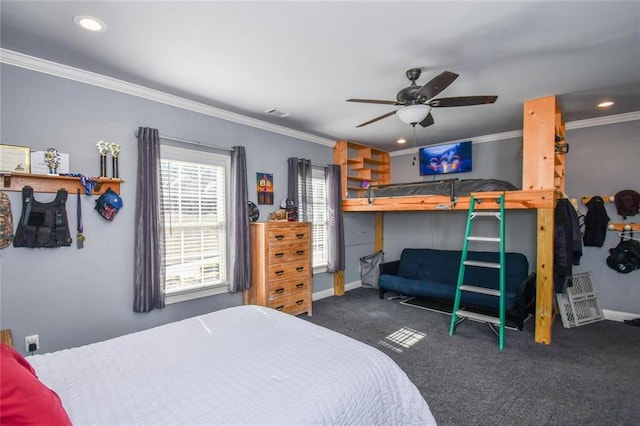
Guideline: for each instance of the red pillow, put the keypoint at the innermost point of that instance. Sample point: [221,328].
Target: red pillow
[23,398]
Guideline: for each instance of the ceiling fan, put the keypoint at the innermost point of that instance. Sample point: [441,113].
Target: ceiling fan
[417,101]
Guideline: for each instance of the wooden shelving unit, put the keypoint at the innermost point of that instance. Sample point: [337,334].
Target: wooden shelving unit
[544,145]
[15,181]
[361,166]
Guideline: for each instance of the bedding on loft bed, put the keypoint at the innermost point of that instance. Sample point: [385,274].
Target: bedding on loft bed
[452,188]
[242,365]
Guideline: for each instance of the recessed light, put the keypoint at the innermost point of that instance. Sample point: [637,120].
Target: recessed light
[605,104]
[90,23]
[401,141]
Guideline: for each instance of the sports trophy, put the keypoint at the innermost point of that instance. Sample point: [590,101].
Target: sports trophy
[115,150]
[103,148]
[52,159]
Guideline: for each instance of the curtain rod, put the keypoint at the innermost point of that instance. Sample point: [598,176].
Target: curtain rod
[171,138]
[316,164]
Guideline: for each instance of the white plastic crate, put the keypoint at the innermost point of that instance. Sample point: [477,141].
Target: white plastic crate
[579,304]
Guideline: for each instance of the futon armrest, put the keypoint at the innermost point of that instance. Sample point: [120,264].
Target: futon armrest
[389,268]
[527,298]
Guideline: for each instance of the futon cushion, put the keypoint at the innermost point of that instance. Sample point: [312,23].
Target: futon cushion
[24,400]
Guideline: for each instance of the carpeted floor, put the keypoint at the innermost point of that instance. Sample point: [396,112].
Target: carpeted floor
[589,375]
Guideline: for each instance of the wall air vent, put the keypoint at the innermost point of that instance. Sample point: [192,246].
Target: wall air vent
[277,113]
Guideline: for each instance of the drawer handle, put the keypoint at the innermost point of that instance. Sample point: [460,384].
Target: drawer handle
[279,237]
[300,236]
[278,273]
[279,308]
[300,252]
[299,285]
[280,290]
[299,302]
[300,268]
[279,255]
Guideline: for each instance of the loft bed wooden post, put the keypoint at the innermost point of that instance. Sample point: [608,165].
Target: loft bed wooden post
[543,168]
[379,233]
[544,276]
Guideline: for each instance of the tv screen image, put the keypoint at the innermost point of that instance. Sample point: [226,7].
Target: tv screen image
[442,159]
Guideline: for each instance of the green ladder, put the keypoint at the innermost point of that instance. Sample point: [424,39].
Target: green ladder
[459,315]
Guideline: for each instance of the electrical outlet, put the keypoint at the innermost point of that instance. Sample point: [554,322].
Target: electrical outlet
[32,340]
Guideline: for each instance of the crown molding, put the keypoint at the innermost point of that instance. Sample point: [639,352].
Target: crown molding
[603,121]
[477,139]
[87,77]
[573,125]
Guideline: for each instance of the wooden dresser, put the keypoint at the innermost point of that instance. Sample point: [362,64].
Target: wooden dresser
[281,266]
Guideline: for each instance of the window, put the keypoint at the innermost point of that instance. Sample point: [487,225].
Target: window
[193,214]
[319,227]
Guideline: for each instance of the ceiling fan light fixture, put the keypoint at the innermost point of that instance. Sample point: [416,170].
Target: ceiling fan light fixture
[413,114]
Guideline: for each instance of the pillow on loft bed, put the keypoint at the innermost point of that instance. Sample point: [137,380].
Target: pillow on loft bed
[24,399]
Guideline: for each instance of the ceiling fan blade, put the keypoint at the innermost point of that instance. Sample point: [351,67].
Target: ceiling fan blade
[462,101]
[436,85]
[428,121]
[377,118]
[374,101]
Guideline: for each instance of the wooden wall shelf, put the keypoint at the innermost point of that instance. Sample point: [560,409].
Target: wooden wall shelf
[15,181]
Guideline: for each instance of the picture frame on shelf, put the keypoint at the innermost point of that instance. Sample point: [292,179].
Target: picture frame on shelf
[15,158]
[39,165]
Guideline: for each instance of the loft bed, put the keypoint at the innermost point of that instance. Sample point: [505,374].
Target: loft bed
[366,176]
[449,194]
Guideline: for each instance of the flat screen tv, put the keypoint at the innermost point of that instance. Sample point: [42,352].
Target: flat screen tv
[442,159]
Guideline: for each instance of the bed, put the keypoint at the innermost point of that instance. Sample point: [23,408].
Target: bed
[242,365]
[451,188]
[544,149]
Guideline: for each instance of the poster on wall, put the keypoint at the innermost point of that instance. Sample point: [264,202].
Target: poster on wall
[264,182]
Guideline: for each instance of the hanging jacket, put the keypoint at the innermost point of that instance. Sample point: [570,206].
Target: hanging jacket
[43,224]
[567,238]
[595,223]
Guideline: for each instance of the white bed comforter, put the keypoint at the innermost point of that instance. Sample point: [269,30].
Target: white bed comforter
[243,365]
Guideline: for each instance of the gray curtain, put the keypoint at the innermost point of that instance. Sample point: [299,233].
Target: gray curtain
[148,283]
[302,196]
[239,238]
[335,226]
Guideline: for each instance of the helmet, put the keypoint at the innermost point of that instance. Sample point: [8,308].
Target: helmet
[287,203]
[108,204]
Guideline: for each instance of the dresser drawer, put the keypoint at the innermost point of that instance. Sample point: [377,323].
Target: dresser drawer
[295,305]
[281,289]
[288,234]
[289,270]
[279,253]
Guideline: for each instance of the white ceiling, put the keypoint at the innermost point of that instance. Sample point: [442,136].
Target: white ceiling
[306,58]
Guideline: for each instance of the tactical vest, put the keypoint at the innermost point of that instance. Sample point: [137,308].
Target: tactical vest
[43,224]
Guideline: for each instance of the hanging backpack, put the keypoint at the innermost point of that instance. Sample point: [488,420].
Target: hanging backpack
[6,221]
[625,257]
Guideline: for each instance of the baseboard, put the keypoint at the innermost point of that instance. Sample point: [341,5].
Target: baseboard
[618,315]
[329,292]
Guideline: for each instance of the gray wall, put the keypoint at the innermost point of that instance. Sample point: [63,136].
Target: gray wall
[602,161]
[72,297]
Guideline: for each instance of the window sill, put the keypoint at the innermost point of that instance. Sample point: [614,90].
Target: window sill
[320,269]
[195,294]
